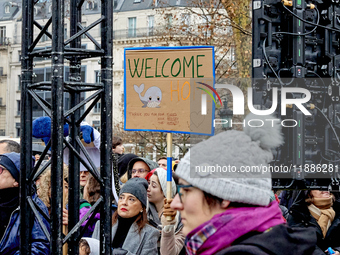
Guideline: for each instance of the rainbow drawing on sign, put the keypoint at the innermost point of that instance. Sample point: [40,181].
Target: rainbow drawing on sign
[204,97]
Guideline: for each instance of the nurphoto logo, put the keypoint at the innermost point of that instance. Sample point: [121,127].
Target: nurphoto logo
[238,104]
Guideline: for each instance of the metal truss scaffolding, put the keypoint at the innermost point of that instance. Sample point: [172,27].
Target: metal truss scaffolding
[64,53]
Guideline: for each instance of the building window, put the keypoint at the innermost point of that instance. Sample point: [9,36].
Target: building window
[45,74]
[96,108]
[2,132]
[96,124]
[2,35]
[90,5]
[19,53]
[136,1]
[83,24]
[232,54]
[151,23]
[132,27]
[18,108]
[44,38]
[19,82]
[17,127]
[65,31]
[168,20]
[7,9]
[98,76]
[50,9]
[185,22]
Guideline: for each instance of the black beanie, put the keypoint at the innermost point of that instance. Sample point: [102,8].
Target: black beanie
[137,187]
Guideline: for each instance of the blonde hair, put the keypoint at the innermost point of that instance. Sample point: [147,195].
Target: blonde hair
[124,178]
[44,189]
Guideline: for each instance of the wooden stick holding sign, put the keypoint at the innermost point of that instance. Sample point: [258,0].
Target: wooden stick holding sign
[65,228]
[169,169]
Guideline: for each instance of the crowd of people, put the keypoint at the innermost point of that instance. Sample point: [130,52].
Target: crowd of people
[207,214]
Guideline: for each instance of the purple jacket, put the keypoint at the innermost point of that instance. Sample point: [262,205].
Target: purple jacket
[90,228]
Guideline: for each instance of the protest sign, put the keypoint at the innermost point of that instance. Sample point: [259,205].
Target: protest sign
[161,89]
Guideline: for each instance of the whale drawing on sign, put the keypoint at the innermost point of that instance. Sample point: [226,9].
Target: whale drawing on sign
[152,97]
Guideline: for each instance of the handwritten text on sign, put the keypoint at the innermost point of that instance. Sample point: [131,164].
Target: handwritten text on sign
[161,89]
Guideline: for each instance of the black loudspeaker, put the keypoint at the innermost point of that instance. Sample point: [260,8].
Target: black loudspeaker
[296,44]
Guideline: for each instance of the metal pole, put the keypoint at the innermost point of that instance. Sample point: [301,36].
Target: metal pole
[26,221]
[106,126]
[75,69]
[57,129]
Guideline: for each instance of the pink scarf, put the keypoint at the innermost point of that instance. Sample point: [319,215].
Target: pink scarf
[224,228]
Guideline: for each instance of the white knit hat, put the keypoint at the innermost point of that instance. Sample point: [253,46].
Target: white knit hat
[217,165]
[162,178]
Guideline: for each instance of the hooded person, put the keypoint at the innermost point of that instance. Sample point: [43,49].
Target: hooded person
[172,238]
[123,162]
[10,210]
[229,212]
[156,193]
[89,246]
[140,167]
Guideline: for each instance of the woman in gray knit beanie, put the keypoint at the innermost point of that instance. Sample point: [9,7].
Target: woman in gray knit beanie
[130,232]
[225,207]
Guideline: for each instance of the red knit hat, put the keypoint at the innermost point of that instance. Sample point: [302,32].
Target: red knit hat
[149,174]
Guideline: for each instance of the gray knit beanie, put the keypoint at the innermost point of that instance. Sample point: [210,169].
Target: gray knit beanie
[221,165]
[137,187]
[162,178]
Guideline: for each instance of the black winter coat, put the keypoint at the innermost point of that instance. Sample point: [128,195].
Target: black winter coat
[278,240]
[299,216]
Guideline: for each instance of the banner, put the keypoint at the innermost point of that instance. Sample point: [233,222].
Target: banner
[161,89]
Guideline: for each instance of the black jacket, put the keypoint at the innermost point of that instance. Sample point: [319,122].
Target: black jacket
[279,240]
[299,216]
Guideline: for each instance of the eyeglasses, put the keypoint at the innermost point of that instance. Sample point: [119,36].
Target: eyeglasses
[140,170]
[2,169]
[179,187]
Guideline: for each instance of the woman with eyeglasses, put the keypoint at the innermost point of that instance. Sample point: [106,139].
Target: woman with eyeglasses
[172,238]
[131,234]
[225,207]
